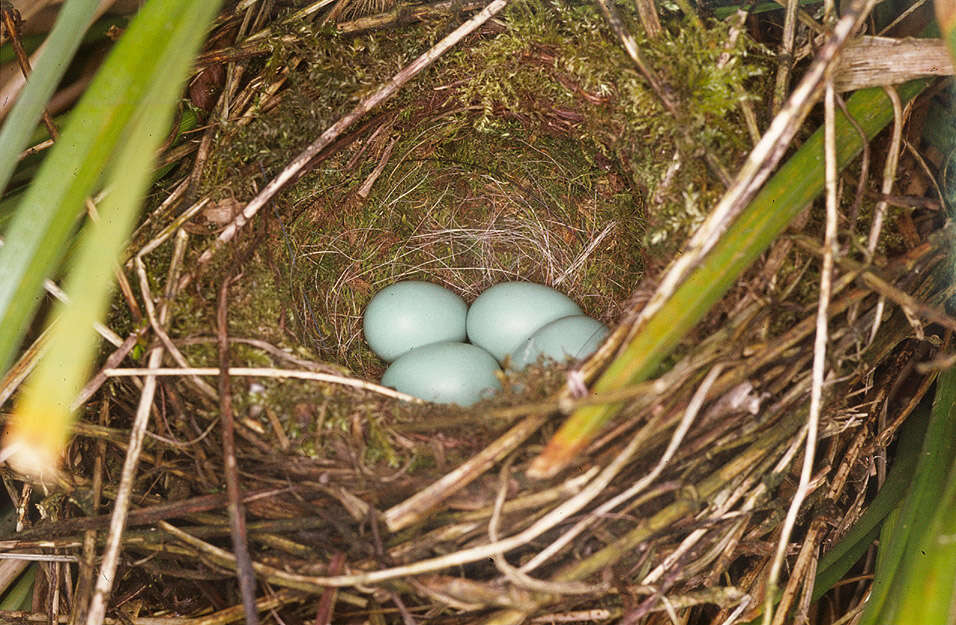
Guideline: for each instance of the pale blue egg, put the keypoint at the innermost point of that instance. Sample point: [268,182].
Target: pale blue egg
[411,314]
[505,315]
[447,373]
[574,337]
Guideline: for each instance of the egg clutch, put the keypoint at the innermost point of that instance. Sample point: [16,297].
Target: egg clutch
[422,328]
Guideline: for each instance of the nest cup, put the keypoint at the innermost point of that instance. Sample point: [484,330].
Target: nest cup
[506,210]
[532,154]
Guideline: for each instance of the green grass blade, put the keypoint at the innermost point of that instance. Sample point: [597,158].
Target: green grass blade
[64,39]
[834,565]
[20,596]
[765,218]
[42,419]
[916,571]
[928,587]
[37,234]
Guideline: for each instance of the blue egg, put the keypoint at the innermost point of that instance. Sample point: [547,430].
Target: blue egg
[411,314]
[574,337]
[507,314]
[447,373]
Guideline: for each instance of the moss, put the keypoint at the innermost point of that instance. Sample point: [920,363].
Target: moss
[571,61]
[534,151]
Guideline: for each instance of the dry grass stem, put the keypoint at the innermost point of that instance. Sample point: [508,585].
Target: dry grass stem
[107,572]
[777,614]
[237,512]
[264,372]
[885,61]
[785,58]
[889,176]
[607,507]
[111,337]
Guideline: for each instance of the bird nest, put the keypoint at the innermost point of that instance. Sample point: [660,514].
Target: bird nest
[534,152]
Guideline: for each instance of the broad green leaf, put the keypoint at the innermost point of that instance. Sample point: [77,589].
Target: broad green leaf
[61,45]
[37,235]
[928,585]
[916,570]
[41,423]
[20,595]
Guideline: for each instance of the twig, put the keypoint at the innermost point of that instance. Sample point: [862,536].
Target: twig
[171,200]
[415,507]
[104,581]
[264,372]
[365,105]
[17,373]
[902,16]
[157,326]
[112,360]
[517,576]
[111,337]
[84,584]
[785,57]
[237,514]
[366,187]
[880,285]
[819,359]
[889,175]
[889,171]
[326,607]
[267,347]
[141,516]
[107,573]
[11,20]
[647,11]
[172,228]
[39,557]
[35,149]
[276,576]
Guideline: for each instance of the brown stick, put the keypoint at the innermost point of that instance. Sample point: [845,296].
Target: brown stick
[143,516]
[84,583]
[11,21]
[323,615]
[647,10]
[237,515]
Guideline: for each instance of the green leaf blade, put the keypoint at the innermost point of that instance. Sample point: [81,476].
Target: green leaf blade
[129,124]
